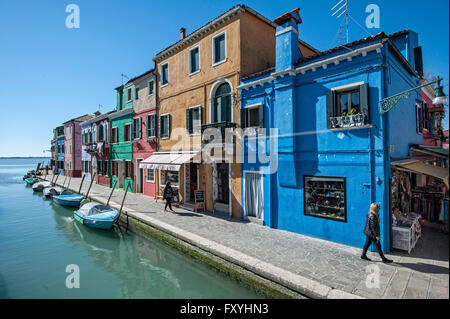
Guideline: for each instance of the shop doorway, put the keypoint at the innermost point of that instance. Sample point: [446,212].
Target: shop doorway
[190,181]
[120,172]
[221,187]
[139,176]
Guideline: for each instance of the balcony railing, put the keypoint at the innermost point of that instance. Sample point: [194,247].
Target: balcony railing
[221,126]
[357,120]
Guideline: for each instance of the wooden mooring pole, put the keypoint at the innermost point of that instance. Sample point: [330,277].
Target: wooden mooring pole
[56,179]
[123,200]
[82,180]
[90,185]
[112,191]
[64,181]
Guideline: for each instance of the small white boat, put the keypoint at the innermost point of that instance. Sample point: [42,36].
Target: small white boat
[54,191]
[39,187]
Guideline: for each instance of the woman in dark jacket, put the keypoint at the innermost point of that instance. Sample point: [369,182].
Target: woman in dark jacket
[167,195]
[372,232]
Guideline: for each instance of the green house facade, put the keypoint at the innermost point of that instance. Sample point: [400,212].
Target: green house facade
[122,169]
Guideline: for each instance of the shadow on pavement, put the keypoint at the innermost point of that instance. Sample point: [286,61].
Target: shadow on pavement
[425,268]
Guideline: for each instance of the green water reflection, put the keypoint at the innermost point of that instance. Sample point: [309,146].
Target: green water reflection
[40,238]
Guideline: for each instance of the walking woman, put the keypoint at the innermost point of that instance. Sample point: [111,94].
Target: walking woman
[372,232]
[167,195]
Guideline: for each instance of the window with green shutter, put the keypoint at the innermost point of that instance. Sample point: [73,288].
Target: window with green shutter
[164,126]
[348,107]
[151,87]
[151,125]
[194,60]
[165,74]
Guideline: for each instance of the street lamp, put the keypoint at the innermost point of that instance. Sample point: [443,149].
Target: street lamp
[439,95]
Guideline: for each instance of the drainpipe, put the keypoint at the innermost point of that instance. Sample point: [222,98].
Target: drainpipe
[387,159]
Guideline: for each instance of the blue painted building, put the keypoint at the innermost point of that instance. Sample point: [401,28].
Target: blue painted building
[59,161]
[87,140]
[330,157]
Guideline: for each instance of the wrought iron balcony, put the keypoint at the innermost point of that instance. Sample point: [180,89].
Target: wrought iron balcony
[221,126]
[357,120]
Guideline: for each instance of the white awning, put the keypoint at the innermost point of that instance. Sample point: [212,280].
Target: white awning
[169,161]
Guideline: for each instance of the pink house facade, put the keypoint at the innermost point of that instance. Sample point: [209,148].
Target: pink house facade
[101,149]
[144,130]
[73,146]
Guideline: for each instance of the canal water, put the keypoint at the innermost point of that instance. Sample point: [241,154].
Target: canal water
[39,239]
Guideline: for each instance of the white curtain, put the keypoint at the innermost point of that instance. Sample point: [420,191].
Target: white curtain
[253,195]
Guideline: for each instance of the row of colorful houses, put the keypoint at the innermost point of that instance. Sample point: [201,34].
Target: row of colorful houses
[310,148]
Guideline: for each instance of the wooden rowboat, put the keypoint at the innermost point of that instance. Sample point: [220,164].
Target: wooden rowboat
[69,200]
[96,215]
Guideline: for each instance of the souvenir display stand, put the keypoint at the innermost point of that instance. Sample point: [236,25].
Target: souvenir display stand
[406,231]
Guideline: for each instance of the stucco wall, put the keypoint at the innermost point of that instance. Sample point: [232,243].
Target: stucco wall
[257,44]
[402,118]
[144,102]
[143,149]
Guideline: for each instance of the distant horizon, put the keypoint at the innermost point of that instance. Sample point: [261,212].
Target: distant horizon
[12,157]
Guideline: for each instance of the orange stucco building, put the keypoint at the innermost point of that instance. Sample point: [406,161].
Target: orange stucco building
[197,79]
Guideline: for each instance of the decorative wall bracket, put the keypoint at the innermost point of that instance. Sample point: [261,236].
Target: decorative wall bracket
[389,103]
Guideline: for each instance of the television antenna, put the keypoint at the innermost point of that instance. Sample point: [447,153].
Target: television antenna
[124,76]
[339,10]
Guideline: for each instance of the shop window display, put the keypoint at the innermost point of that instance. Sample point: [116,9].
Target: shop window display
[325,197]
[169,176]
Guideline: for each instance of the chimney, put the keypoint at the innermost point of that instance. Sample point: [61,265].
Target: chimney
[287,50]
[97,113]
[182,33]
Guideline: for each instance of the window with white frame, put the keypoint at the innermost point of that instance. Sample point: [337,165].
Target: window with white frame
[164,74]
[127,132]
[151,87]
[129,94]
[114,135]
[194,120]
[150,175]
[114,168]
[137,128]
[219,48]
[194,60]
[348,106]
[164,126]
[221,111]
[128,169]
[252,116]
[151,125]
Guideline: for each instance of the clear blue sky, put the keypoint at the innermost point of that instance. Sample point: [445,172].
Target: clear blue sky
[50,74]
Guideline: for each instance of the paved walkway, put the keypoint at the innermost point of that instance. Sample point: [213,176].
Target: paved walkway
[318,267]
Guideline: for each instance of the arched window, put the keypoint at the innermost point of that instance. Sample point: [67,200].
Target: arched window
[222,104]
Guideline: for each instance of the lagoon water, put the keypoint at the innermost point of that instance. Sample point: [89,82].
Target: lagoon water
[39,239]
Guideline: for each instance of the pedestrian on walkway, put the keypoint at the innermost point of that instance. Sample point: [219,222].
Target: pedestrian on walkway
[372,232]
[167,195]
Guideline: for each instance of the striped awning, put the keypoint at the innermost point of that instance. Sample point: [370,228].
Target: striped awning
[169,161]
